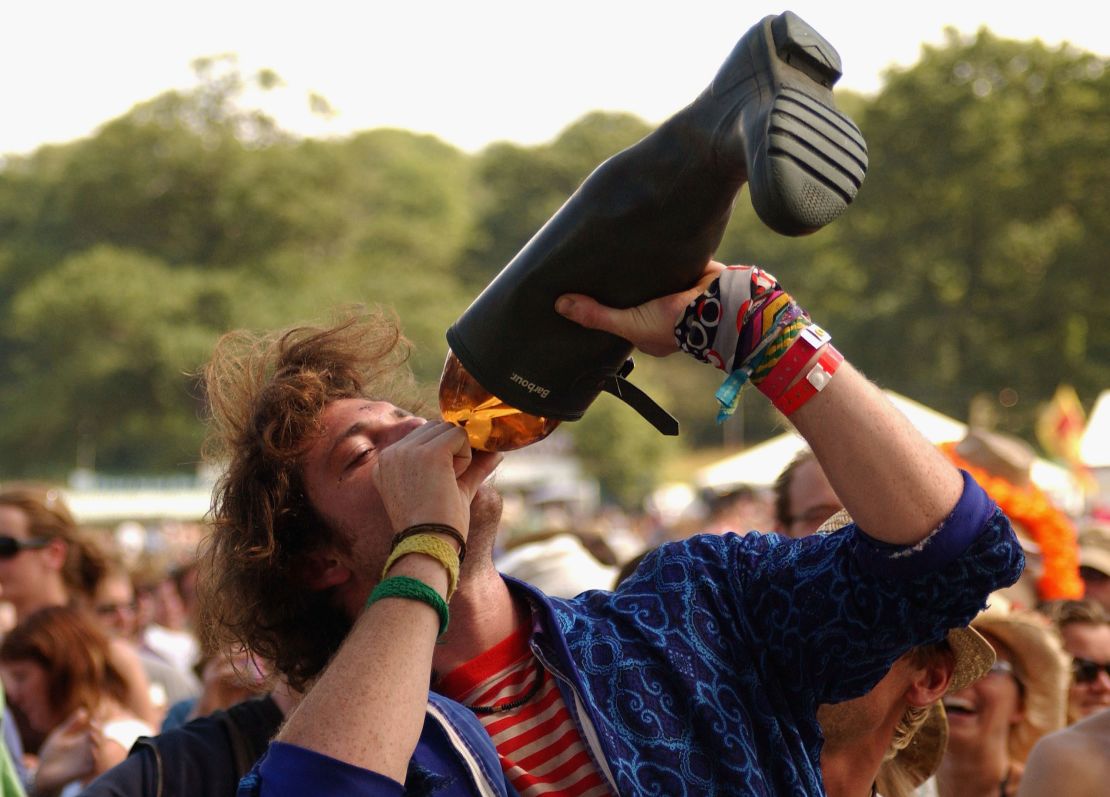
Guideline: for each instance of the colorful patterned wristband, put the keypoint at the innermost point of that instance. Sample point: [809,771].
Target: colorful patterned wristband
[812,383]
[411,589]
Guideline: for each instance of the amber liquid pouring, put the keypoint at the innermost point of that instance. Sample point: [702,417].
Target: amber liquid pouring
[491,424]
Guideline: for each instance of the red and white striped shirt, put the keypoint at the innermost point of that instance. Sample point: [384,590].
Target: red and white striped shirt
[539,746]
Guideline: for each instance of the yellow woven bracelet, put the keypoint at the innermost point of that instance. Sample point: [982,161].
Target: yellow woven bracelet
[429,545]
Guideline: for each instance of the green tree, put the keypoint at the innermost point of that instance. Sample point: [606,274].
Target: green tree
[620,450]
[979,228]
[522,187]
[105,344]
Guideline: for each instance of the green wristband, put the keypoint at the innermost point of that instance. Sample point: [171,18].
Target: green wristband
[413,589]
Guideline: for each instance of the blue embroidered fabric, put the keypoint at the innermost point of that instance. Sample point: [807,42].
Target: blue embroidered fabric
[703,672]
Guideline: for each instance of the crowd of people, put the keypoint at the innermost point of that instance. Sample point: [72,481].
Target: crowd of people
[102,659]
[346,627]
[97,653]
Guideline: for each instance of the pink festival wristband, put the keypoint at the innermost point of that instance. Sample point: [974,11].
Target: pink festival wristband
[812,383]
[801,351]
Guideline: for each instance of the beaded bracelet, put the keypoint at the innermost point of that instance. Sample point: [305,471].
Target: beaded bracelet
[411,589]
[432,528]
[428,545]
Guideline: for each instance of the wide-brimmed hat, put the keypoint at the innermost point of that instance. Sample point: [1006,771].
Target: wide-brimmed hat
[1040,667]
[1094,548]
[919,759]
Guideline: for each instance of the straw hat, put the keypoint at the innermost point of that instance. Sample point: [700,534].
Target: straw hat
[1094,548]
[919,759]
[1040,666]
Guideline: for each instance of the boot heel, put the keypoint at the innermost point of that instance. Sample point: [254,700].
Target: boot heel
[814,158]
[805,49]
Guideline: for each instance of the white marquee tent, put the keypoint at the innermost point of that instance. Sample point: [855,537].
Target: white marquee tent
[1094,446]
[759,465]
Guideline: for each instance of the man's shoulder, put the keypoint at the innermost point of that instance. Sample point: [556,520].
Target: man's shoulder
[215,750]
[1074,757]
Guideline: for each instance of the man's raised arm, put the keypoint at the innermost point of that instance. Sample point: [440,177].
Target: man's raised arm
[896,485]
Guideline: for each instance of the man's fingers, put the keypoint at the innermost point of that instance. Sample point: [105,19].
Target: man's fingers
[482,464]
[592,314]
[78,719]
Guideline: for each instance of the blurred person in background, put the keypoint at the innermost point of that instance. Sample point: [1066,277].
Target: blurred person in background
[46,561]
[205,757]
[1085,631]
[164,613]
[226,678]
[115,608]
[1072,762]
[1094,564]
[993,724]
[43,560]
[562,563]
[804,499]
[57,666]
[739,508]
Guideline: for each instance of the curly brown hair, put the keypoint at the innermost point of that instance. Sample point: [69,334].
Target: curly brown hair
[266,393]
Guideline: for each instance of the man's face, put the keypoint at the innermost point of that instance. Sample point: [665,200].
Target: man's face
[337,472]
[114,605]
[1088,643]
[23,577]
[337,476]
[812,500]
[846,723]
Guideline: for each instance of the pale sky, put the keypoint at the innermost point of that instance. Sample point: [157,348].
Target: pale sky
[469,72]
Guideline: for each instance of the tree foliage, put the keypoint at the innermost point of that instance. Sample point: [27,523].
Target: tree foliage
[972,263]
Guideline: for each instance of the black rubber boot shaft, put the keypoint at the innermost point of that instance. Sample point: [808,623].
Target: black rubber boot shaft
[645,222]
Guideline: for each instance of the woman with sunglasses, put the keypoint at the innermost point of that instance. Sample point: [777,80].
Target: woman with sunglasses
[45,561]
[57,667]
[993,723]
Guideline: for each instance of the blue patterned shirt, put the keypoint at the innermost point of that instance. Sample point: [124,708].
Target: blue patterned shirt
[702,673]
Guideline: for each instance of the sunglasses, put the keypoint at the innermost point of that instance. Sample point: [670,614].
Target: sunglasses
[1092,575]
[10,546]
[1002,667]
[1085,671]
[108,609]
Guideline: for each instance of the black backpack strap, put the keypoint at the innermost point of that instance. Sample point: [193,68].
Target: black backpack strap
[243,760]
[250,725]
[142,744]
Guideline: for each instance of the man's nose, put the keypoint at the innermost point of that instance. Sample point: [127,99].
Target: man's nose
[401,428]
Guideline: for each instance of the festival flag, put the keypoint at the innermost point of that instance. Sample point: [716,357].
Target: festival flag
[1060,425]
